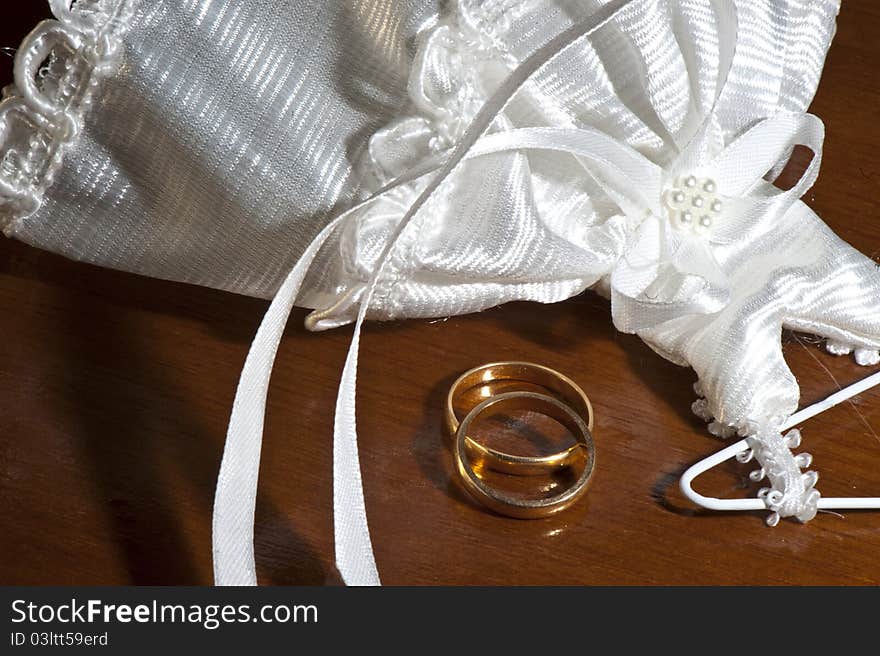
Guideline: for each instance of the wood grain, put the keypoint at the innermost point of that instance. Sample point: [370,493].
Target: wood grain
[115,392]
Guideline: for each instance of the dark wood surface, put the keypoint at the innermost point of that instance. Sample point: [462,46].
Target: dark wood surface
[115,392]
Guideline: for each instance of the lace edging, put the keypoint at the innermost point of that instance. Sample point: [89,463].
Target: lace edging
[792,491]
[57,68]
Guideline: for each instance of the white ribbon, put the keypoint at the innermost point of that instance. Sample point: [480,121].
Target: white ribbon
[654,249]
[237,482]
[658,253]
[236,494]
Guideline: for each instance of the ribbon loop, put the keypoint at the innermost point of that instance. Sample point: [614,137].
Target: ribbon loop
[233,517]
[761,148]
[660,274]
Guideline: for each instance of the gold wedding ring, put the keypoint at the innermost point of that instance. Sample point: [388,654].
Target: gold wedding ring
[553,382]
[469,456]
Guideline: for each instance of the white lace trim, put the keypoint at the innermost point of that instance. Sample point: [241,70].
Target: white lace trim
[455,70]
[792,491]
[57,69]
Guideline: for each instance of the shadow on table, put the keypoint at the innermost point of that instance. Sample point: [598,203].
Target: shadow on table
[154,462]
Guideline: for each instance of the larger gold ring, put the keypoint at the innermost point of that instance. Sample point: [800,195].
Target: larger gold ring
[515,506]
[560,386]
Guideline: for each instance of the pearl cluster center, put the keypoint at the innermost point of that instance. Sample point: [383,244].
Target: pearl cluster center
[693,204]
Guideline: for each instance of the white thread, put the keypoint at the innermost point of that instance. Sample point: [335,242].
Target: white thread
[791,493]
[798,498]
[837,348]
[48,117]
[866,357]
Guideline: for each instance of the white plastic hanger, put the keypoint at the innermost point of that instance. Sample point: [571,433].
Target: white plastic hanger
[827,503]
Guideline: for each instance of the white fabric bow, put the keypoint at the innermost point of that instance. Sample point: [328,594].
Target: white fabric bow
[645,183]
[666,270]
[657,255]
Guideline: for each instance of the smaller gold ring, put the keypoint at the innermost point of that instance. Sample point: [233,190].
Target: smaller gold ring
[512,505]
[559,385]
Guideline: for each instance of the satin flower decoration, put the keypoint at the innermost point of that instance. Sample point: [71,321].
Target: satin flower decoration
[547,148]
[665,205]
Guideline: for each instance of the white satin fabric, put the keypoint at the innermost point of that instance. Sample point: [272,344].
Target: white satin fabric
[541,151]
[423,242]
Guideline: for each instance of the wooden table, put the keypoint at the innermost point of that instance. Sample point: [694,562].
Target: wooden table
[115,392]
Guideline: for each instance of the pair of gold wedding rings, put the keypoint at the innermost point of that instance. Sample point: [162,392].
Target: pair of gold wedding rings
[558,398]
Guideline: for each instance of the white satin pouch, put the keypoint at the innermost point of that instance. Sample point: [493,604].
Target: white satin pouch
[390,158]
